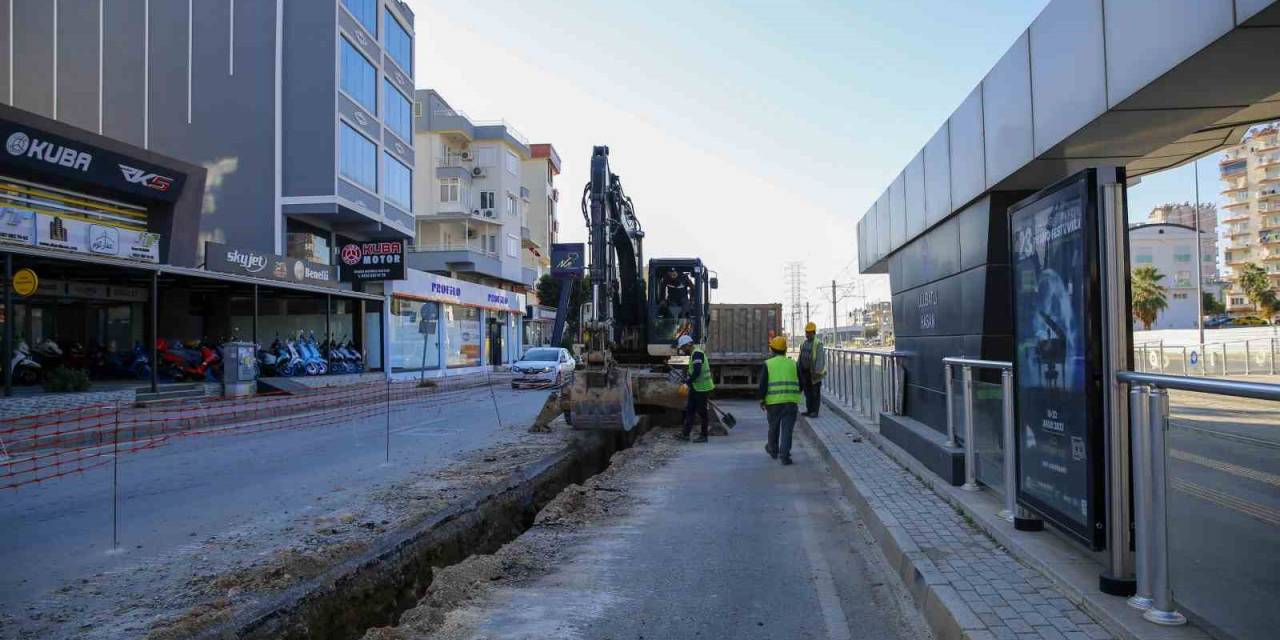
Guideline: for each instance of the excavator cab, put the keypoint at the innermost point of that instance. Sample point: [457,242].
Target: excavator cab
[679,296]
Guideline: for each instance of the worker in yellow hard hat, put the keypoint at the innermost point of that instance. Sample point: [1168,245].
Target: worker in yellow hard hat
[813,367]
[780,398]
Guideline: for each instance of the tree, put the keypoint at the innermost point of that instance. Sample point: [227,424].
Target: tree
[1255,283]
[1212,305]
[1148,295]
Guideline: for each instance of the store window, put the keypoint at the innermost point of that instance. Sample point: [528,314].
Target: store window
[399,44]
[415,335]
[359,77]
[463,336]
[358,159]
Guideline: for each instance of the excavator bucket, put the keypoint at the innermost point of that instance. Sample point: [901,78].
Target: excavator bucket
[603,400]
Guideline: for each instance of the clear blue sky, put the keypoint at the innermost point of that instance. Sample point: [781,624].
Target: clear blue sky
[748,133]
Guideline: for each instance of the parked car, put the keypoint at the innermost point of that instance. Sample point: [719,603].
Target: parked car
[542,367]
[1219,320]
[1249,321]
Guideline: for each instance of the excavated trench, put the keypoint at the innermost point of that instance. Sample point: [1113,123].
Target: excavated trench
[375,588]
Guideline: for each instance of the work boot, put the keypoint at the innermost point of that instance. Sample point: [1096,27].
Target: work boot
[773,453]
[786,461]
[682,436]
[701,437]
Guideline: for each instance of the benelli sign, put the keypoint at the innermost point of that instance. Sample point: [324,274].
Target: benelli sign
[222,258]
[82,164]
[21,144]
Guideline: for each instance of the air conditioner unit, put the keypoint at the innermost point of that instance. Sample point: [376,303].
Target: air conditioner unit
[466,155]
[488,213]
[478,172]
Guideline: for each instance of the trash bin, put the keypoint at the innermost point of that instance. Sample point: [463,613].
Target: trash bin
[239,369]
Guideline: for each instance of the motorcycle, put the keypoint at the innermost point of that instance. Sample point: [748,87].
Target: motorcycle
[26,370]
[314,362]
[185,362]
[48,354]
[278,359]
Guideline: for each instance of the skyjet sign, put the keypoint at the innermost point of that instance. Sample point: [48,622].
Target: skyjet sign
[20,144]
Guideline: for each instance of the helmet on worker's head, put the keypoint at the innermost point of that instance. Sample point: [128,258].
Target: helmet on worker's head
[810,328]
[683,341]
[778,344]
[683,391]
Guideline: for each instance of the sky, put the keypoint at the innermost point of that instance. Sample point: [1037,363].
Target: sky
[749,134]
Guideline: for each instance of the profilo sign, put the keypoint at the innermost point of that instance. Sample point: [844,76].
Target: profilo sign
[429,286]
[366,261]
[1058,363]
[247,262]
[43,152]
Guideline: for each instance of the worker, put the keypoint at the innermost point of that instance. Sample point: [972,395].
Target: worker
[698,378]
[780,399]
[673,294]
[813,366]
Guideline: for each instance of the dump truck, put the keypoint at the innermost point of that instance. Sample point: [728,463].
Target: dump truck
[738,343]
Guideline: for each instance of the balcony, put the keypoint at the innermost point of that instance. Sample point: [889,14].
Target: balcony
[1268,160]
[451,121]
[529,277]
[524,193]
[458,256]
[1236,216]
[1237,259]
[455,212]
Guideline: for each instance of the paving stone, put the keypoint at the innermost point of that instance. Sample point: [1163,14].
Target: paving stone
[1013,600]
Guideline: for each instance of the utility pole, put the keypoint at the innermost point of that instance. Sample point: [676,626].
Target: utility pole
[793,277]
[1199,262]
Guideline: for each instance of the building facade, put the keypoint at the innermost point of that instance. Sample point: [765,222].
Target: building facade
[298,111]
[473,208]
[1170,248]
[1185,214]
[541,219]
[1250,174]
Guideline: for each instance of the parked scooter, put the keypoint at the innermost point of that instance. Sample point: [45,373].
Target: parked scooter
[279,360]
[186,363]
[313,362]
[26,370]
[48,354]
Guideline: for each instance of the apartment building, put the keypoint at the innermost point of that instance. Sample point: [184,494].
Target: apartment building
[298,111]
[1250,174]
[541,219]
[1185,215]
[472,205]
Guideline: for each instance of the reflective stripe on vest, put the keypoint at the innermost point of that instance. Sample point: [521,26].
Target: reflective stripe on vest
[784,381]
[703,383]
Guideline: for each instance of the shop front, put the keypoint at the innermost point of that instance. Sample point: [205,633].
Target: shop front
[439,325]
[539,323]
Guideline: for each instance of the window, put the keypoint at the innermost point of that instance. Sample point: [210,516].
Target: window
[486,156]
[1140,259]
[365,12]
[1183,279]
[397,116]
[462,330]
[359,78]
[513,246]
[513,164]
[399,187]
[1179,296]
[1237,302]
[491,244]
[511,205]
[486,200]
[358,158]
[399,44]
[449,189]
[415,335]
[1182,254]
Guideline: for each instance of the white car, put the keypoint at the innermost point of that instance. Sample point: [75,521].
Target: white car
[543,367]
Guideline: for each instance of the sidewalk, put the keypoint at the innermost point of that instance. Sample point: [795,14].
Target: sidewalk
[970,577]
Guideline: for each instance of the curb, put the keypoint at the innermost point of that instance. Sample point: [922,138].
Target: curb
[1071,570]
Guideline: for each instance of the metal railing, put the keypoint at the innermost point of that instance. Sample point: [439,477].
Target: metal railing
[870,381]
[1149,427]
[1011,512]
[453,246]
[1256,356]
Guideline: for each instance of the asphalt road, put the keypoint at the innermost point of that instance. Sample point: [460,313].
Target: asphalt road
[221,486]
[726,543]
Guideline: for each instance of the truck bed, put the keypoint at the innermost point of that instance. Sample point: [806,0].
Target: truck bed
[738,342]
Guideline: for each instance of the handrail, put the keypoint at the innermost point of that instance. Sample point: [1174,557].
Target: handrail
[981,364]
[1256,390]
[851,376]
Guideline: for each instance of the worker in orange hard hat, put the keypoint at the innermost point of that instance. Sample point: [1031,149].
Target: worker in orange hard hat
[813,367]
[780,398]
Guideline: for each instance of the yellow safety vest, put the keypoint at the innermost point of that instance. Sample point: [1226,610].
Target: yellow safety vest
[784,381]
[703,383]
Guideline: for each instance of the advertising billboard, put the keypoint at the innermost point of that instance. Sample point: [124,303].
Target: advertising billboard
[1058,356]
[568,260]
[378,260]
[247,262]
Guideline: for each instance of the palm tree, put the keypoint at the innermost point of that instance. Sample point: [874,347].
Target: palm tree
[1256,285]
[1148,295]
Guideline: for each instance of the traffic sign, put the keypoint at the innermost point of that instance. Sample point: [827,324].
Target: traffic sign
[25,282]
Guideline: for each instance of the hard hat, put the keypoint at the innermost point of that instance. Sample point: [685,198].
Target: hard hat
[683,391]
[683,341]
[779,343]
[810,328]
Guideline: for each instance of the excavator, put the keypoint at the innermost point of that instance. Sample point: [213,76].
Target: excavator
[628,330]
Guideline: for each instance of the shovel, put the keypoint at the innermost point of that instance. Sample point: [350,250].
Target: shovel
[725,417]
